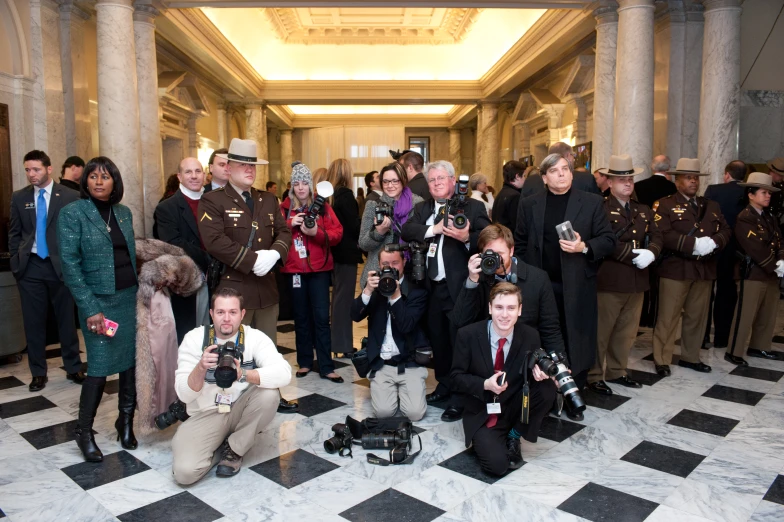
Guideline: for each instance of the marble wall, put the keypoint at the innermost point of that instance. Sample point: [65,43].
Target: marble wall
[18,94]
[666,38]
[761,126]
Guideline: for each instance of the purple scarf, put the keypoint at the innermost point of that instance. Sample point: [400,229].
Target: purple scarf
[403,206]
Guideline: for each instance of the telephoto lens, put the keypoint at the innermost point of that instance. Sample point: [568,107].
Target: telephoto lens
[176,412]
[226,371]
[386,439]
[552,365]
[489,262]
[387,284]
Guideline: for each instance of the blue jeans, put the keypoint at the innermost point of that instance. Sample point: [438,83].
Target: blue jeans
[310,308]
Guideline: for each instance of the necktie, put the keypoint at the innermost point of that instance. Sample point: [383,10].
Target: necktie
[40,226]
[432,263]
[497,367]
[248,201]
[693,203]
[628,212]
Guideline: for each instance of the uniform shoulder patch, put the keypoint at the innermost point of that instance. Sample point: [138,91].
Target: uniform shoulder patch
[205,215]
[657,217]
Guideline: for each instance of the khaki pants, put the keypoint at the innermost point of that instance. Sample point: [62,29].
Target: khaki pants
[387,387]
[693,297]
[757,317]
[619,316]
[264,319]
[194,444]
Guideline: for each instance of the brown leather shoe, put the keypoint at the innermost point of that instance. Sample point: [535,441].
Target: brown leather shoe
[230,462]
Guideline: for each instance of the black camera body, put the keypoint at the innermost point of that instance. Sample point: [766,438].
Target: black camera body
[382,210]
[554,366]
[455,207]
[309,221]
[226,371]
[176,412]
[490,262]
[340,441]
[417,251]
[388,278]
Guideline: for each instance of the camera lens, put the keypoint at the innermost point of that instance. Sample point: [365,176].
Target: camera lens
[333,445]
[460,221]
[490,262]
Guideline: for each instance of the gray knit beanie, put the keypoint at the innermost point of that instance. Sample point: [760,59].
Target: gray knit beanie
[300,172]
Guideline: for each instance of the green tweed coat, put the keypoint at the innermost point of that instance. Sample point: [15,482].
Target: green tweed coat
[87,253]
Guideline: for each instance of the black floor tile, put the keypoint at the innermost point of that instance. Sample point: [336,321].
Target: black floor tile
[644,378]
[725,393]
[51,435]
[605,402]
[337,363]
[558,429]
[10,382]
[285,350]
[2,515]
[778,339]
[381,506]
[363,382]
[313,404]
[599,503]
[757,373]
[776,491]
[703,422]
[285,328]
[112,387]
[466,463]
[675,358]
[183,507]
[115,466]
[663,458]
[12,409]
[294,468]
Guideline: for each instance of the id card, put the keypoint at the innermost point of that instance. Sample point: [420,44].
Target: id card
[224,402]
[296,281]
[494,408]
[431,252]
[300,246]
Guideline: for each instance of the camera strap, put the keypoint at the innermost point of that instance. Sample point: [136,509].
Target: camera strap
[394,453]
[210,339]
[525,412]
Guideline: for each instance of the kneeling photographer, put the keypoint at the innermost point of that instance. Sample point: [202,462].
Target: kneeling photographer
[497,368]
[495,264]
[394,306]
[216,367]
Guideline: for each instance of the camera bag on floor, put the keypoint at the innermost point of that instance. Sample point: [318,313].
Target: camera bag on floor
[400,453]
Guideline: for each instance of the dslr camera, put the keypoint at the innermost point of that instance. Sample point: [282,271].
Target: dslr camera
[490,262]
[455,207]
[388,278]
[323,191]
[176,412]
[226,371]
[339,442]
[553,365]
[387,439]
[382,210]
[417,251]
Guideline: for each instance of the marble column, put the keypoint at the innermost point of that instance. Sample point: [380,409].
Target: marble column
[193,137]
[454,150]
[286,158]
[604,84]
[222,126]
[554,121]
[489,145]
[149,111]
[76,99]
[720,96]
[692,79]
[118,100]
[633,129]
[256,129]
[479,138]
[580,118]
[677,63]
[522,139]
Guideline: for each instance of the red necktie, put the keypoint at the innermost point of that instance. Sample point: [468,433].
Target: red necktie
[497,367]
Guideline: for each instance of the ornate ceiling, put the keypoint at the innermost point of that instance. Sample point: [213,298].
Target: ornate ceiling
[354,25]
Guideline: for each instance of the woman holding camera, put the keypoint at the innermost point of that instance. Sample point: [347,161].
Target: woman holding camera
[307,272]
[396,206]
[98,255]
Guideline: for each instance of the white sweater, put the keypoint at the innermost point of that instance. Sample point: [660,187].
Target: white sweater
[260,354]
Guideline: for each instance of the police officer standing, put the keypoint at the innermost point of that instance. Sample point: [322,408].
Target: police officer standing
[693,229]
[622,277]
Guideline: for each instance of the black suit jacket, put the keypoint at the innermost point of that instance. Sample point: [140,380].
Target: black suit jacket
[175,224]
[653,189]
[418,186]
[473,364]
[731,198]
[404,314]
[455,253]
[21,227]
[539,308]
[505,206]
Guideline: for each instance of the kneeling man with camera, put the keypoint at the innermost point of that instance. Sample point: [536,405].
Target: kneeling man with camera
[394,306]
[507,392]
[228,375]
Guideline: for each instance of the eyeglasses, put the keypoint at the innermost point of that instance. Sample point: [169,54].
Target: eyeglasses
[390,182]
[439,179]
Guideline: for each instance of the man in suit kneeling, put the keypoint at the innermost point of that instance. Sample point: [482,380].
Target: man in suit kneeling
[394,336]
[484,353]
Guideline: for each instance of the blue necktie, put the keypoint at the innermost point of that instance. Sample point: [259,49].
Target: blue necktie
[40,226]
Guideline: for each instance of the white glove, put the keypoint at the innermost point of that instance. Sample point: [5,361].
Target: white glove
[265,261]
[644,257]
[703,246]
[779,268]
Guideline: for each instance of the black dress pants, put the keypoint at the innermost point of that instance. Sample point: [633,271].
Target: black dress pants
[442,333]
[39,286]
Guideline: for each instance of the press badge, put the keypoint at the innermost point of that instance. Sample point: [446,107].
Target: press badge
[297,281]
[300,246]
[224,402]
[494,408]
[431,252]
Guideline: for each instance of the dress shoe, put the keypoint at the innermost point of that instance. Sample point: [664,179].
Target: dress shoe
[285,406]
[452,414]
[230,462]
[436,397]
[337,379]
[624,380]
[663,370]
[38,383]
[697,367]
[77,378]
[734,359]
[764,354]
[300,373]
[575,415]
[514,453]
[600,387]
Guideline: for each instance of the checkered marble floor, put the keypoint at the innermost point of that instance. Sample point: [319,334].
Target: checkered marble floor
[690,447]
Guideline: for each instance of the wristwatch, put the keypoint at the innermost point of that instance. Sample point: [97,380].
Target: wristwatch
[244,378]
[585,249]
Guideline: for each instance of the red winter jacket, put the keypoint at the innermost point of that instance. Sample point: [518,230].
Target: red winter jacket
[328,234]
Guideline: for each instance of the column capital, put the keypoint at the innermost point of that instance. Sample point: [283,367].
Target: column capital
[128,4]
[285,131]
[489,103]
[606,13]
[253,107]
[721,5]
[145,13]
[519,123]
[695,13]
[635,4]
[675,13]
[68,8]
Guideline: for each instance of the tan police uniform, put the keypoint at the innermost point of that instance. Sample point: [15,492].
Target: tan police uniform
[620,286]
[759,237]
[685,280]
[225,225]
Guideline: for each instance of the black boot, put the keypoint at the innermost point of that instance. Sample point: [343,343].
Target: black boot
[92,391]
[126,403]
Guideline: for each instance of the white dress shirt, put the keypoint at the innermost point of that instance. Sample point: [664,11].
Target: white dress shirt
[388,347]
